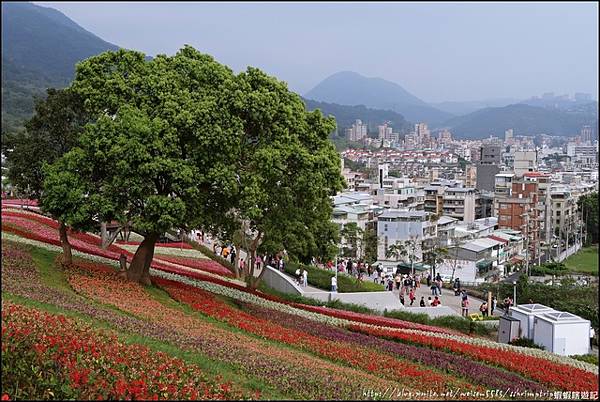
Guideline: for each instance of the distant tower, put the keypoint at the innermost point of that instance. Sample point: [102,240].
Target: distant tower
[586,134]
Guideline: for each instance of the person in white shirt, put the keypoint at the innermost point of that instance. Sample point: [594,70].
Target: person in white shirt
[333,284]
[592,334]
[305,276]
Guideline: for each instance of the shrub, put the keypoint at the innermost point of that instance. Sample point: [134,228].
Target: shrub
[526,342]
[321,278]
[593,359]
[453,322]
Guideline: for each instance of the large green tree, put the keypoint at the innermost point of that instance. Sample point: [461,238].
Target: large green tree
[161,153]
[286,171]
[588,208]
[53,130]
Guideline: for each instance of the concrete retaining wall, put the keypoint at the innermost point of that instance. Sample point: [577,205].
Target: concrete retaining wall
[432,312]
[374,300]
[280,282]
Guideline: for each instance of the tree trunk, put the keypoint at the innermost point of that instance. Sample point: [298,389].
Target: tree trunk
[236,261]
[64,242]
[107,239]
[139,269]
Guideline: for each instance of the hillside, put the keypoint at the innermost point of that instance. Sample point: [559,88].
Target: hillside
[80,332]
[349,88]
[40,47]
[459,108]
[346,115]
[523,119]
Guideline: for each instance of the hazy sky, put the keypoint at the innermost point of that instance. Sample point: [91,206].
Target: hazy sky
[437,51]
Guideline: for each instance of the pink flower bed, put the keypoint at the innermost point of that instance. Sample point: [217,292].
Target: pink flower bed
[203,264]
[20,201]
[171,245]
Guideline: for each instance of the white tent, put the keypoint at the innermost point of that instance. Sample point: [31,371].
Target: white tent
[562,333]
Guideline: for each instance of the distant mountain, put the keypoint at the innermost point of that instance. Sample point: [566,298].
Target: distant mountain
[562,102]
[346,115]
[524,120]
[466,107]
[40,47]
[349,88]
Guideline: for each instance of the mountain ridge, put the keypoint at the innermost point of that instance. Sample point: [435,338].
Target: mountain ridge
[351,88]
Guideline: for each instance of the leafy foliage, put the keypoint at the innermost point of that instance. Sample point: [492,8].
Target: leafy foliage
[588,204]
[53,130]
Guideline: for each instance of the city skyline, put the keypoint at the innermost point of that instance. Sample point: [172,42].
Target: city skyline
[522,50]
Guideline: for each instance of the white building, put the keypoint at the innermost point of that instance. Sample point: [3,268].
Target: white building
[562,333]
[525,161]
[526,313]
[394,226]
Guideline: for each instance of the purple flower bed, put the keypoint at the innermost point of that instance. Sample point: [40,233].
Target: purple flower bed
[491,377]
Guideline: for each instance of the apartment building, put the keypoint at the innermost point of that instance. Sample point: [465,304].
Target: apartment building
[461,203]
[394,226]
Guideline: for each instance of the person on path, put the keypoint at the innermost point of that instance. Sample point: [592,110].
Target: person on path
[438,283]
[494,301]
[305,277]
[483,308]
[422,302]
[438,277]
[298,277]
[258,262]
[429,301]
[390,284]
[232,255]
[333,284]
[411,296]
[433,288]
[465,307]
[401,298]
[242,265]
[408,283]
[429,280]
[436,301]
[281,265]
[398,280]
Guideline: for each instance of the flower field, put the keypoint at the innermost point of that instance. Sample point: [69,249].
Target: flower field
[72,344]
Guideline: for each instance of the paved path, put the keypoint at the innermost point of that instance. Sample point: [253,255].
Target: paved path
[448,299]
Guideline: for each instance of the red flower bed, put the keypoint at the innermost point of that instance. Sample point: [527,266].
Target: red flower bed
[409,374]
[66,359]
[203,264]
[545,371]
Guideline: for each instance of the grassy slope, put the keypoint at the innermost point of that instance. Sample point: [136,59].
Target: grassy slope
[52,276]
[586,260]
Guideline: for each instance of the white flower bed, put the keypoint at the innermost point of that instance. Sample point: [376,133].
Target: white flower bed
[175,252]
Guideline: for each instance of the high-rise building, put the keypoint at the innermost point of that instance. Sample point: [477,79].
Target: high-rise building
[586,134]
[508,135]
[422,133]
[525,161]
[357,132]
[490,157]
[445,137]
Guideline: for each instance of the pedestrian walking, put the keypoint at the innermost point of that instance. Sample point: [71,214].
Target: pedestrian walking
[433,288]
[298,276]
[401,298]
[465,307]
[429,280]
[494,301]
[411,296]
[305,277]
[398,280]
[333,284]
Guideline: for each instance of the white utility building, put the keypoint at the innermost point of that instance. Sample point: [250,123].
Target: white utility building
[526,313]
[562,333]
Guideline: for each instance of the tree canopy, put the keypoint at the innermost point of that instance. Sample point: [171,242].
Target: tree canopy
[183,142]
